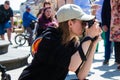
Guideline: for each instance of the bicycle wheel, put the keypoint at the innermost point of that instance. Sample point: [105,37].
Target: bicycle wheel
[20,39]
[6,77]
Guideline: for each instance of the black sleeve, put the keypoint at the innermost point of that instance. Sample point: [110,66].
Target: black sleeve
[106,13]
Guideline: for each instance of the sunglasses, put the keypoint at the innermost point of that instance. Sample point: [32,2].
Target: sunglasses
[84,24]
[89,23]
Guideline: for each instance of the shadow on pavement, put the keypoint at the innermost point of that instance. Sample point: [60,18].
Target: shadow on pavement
[111,74]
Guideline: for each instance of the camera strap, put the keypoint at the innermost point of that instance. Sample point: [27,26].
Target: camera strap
[82,55]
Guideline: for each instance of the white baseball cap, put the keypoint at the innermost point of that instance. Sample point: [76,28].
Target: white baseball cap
[72,11]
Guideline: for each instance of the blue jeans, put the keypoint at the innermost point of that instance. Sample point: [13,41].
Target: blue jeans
[108,46]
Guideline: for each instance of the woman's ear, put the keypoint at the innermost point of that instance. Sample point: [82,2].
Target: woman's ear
[70,23]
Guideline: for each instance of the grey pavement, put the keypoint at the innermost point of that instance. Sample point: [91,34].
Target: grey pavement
[97,71]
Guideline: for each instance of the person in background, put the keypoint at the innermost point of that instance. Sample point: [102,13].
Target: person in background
[106,17]
[27,19]
[60,49]
[46,20]
[6,15]
[115,29]
[45,4]
[97,12]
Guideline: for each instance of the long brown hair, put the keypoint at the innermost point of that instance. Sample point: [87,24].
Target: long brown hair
[64,28]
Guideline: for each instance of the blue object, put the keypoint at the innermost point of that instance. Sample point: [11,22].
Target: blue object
[98,13]
[3,27]
[84,4]
[27,19]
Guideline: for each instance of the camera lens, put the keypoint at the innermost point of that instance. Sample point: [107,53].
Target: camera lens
[90,23]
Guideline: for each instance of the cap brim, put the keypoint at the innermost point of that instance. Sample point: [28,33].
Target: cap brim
[86,17]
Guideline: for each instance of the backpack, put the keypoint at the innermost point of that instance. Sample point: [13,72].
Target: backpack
[34,47]
[37,41]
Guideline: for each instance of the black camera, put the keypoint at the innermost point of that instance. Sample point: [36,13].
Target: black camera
[90,22]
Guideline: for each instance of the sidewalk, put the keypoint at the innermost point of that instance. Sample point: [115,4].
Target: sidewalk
[97,72]
[103,72]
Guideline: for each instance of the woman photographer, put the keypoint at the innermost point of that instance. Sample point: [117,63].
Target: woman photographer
[61,51]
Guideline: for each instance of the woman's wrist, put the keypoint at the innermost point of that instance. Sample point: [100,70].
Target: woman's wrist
[86,38]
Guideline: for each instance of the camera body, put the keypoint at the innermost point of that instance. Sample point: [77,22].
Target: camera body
[90,22]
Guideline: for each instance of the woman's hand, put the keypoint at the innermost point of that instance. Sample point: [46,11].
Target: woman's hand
[94,30]
[94,8]
[105,28]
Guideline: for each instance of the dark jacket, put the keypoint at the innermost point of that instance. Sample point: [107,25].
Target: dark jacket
[106,13]
[52,60]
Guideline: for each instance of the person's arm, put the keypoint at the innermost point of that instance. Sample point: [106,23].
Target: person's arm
[11,18]
[12,22]
[94,8]
[31,17]
[76,59]
[106,14]
[85,68]
[93,31]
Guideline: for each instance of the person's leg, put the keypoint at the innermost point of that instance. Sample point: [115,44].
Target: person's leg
[9,31]
[2,37]
[30,40]
[107,48]
[7,27]
[97,47]
[117,53]
[2,31]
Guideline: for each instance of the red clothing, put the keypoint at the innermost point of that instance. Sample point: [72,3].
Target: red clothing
[115,21]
